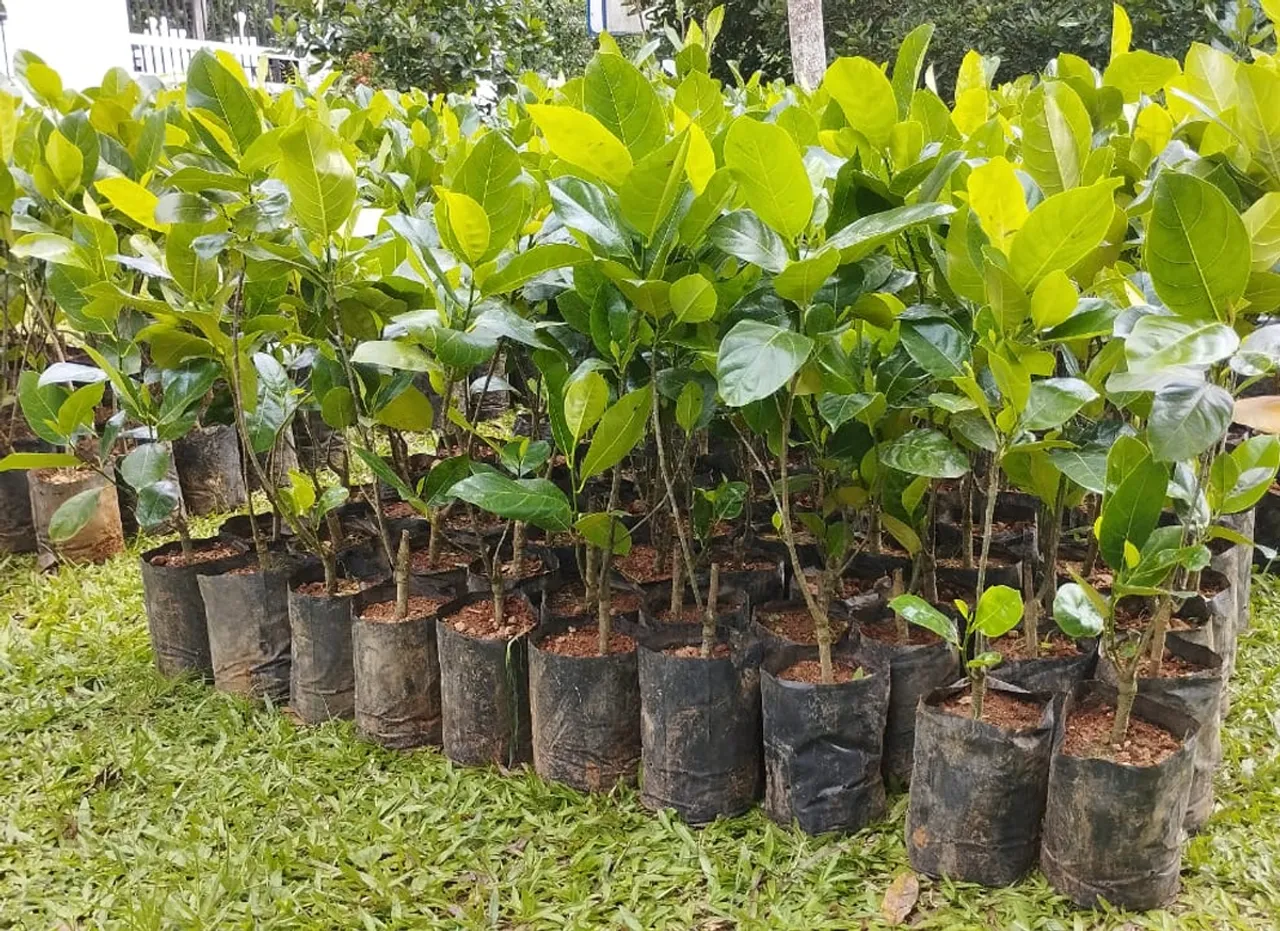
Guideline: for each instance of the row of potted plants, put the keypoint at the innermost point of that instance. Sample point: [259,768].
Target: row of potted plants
[958,379]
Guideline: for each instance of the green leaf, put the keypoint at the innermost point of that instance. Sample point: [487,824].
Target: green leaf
[582,206]
[392,354]
[157,502]
[583,141]
[489,176]
[801,280]
[132,200]
[531,263]
[176,207]
[595,529]
[338,408]
[744,236]
[934,341]
[618,432]
[866,97]
[999,611]
[919,612]
[616,93]
[1156,344]
[386,474]
[531,500]
[653,187]
[771,174]
[689,406]
[1252,468]
[437,488]
[196,277]
[78,409]
[74,513]
[1140,72]
[1056,137]
[585,399]
[211,86]
[1054,401]
[410,410]
[839,409]
[1054,300]
[1262,222]
[466,221]
[1187,419]
[321,181]
[756,359]
[1133,502]
[1086,467]
[22,461]
[1061,231]
[1197,247]
[906,69]
[52,248]
[693,299]
[65,161]
[866,234]
[925,452]
[147,464]
[1075,612]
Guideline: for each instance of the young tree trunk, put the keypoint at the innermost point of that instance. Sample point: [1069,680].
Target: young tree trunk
[966,521]
[899,622]
[709,617]
[590,579]
[604,614]
[433,537]
[808,42]
[1159,632]
[677,586]
[929,561]
[1031,612]
[1126,691]
[517,548]
[402,577]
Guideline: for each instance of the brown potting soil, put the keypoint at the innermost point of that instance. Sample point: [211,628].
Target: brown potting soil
[530,566]
[201,555]
[585,641]
[888,633]
[810,671]
[569,602]
[638,565]
[796,625]
[476,620]
[420,606]
[999,709]
[694,651]
[1172,667]
[1055,646]
[689,614]
[250,569]
[1088,734]
[730,562]
[318,589]
[446,559]
[462,522]
[398,510]
[65,476]
[1131,618]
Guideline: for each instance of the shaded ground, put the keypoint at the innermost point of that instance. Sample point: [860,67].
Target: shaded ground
[128,801]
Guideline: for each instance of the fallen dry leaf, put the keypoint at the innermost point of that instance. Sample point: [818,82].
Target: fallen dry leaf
[1262,414]
[900,898]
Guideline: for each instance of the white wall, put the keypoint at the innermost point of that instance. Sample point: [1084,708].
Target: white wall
[81,39]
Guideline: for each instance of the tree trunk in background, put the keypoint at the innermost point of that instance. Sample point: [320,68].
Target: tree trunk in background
[808,42]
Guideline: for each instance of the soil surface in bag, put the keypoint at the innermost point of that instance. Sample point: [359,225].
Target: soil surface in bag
[209,470]
[397,701]
[322,675]
[978,786]
[925,662]
[822,743]
[1113,819]
[98,540]
[585,707]
[539,570]
[700,725]
[247,609]
[176,619]
[484,682]
[789,622]
[567,602]
[1189,680]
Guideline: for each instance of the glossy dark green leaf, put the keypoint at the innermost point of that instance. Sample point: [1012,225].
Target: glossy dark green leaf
[157,502]
[145,465]
[1187,419]
[619,430]
[936,343]
[925,452]
[919,612]
[756,359]
[532,500]
[1054,401]
[1135,497]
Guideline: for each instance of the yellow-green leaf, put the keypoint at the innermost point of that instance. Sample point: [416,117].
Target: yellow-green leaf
[996,196]
[581,140]
[467,221]
[1061,231]
[321,181]
[770,172]
[1056,136]
[866,97]
[131,199]
[800,281]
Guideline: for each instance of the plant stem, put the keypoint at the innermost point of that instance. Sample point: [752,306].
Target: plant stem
[184,536]
[901,628]
[709,616]
[402,577]
[966,521]
[1159,633]
[978,691]
[1126,691]
[988,518]
[604,614]
[517,548]
[673,501]
[929,561]
[1030,612]
[677,586]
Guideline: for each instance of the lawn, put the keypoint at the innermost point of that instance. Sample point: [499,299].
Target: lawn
[130,801]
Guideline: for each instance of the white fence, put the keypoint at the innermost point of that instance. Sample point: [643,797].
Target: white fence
[167,52]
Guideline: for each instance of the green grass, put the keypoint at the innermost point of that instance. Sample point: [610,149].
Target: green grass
[130,801]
